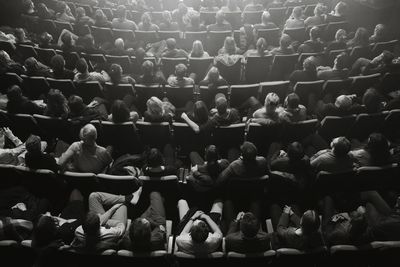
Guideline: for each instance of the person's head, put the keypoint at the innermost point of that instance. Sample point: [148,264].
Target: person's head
[309,65]
[76,104]
[57,103]
[66,39]
[140,53]
[119,44]
[199,232]
[319,10]
[315,33]
[200,112]
[285,41]
[20,34]
[197,49]
[171,43]
[57,63]
[180,70]
[386,57]
[340,61]
[266,17]
[261,46]
[146,19]
[220,17]
[99,16]
[213,75]
[372,100]
[271,103]
[248,151]
[80,12]
[230,45]
[91,228]
[361,37]
[119,111]
[154,158]
[82,66]
[295,152]
[88,134]
[221,104]
[182,8]
[292,101]
[148,68]
[14,94]
[62,7]
[140,234]
[45,38]
[379,31]
[33,145]
[341,9]
[121,12]
[249,225]
[31,64]
[341,146]
[343,102]
[166,15]
[232,5]
[4,58]
[378,147]
[44,232]
[309,222]
[115,73]
[155,106]
[340,35]
[195,20]
[297,12]
[211,153]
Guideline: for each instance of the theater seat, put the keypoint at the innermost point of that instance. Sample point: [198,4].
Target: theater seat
[117,184]
[154,134]
[257,69]
[281,88]
[365,124]
[332,126]
[240,93]
[89,90]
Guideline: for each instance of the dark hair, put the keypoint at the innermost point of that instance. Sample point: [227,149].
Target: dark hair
[221,105]
[295,152]
[76,104]
[81,65]
[14,94]
[154,158]
[58,62]
[140,235]
[293,101]
[211,156]
[378,147]
[57,105]
[315,32]
[310,222]
[341,146]
[200,112]
[91,228]
[199,232]
[119,111]
[372,100]
[115,73]
[249,225]
[249,151]
[44,232]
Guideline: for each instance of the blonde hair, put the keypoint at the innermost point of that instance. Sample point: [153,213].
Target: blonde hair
[155,106]
[197,49]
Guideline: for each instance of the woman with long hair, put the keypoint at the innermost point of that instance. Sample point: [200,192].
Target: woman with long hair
[57,104]
[198,50]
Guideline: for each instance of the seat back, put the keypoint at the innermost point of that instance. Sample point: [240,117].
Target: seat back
[207,17]
[66,86]
[246,189]
[188,260]
[207,95]
[89,90]
[126,35]
[144,92]
[86,183]
[228,137]
[23,125]
[52,128]
[252,259]
[146,37]
[101,35]
[379,47]
[186,140]
[190,37]
[278,15]
[299,130]
[26,51]
[332,126]
[262,135]
[154,134]
[232,74]
[252,17]
[331,29]
[360,52]
[7,80]
[289,256]
[45,55]
[115,184]
[390,128]
[179,96]
[366,124]
[257,69]
[379,178]
[235,19]
[361,83]
[119,91]
[334,88]
[270,35]
[164,35]
[390,83]
[297,34]
[35,87]
[306,89]
[280,88]
[328,183]
[216,40]
[123,61]
[240,93]
[9,176]
[282,66]
[8,47]
[168,65]
[200,66]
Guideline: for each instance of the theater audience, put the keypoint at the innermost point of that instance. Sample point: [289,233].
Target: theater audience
[167,24]
[296,19]
[314,44]
[231,6]
[59,70]
[149,76]
[100,19]
[260,49]
[65,14]
[35,158]
[80,113]
[222,115]
[307,74]
[19,104]
[339,13]
[340,41]
[157,164]
[81,17]
[213,79]
[270,113]
[180,79]
[379,64]
[121,22]
[379,35]
[285,47]
[158,111]
[120,113]
[146,24]
[84,75]
[35,68]
[266,23]
[318,18]
[360,39]
[293,110]
[221,24]
[9,65]
[86,155]
[253,5]
[338,72]
[198,50]
[183,15]
[195,24]
[199,120]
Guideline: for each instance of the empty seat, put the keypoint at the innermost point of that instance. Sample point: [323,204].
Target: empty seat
[305,90]
[278,15]
[334,88]
[123,61]
[35,87]
[52,128]
[332,126]
[168,65]
[23,125]
[118,91]
[270,35]
[379,47]
[66,86]
[366,124]
[262,136]
[252,17]
[8,47]
[89,90]
[235,19]
[297,34]
[26,51]
[207,17]
[126,35]
[154,134]
[45,55]
[186,140]
[102,35]
[232,74]
[283,66]
[360,84]
[117,184]
[299,130]
[179,96]
[390,127]
[240,93]
[200,67]
[390,83]
[280,88]
[146,37]
[257,69]
[227,137]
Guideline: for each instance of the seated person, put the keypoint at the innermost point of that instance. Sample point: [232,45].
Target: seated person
[318,18]
[360,39]
[59,70]
[307,74]
[9,65]
[183,15]
[298,233]
[204,172]
[105,223]
[86,155]
[199,119]
[314,44]
[179,79]
[119,49]
[149,76]
[222,115]
[260,49]
[201,234]
[375,153]
[296,19]
[380,64]
[213,79]
[270,113]
[121,22]
[195,24]
[380,34]
[158,111]
[248,165]
[245,235]
[35,158]
[340,41]
[84,75]
[338,72]
[253,5]
[19,104]
[147,232]
[293,110]
[146,24]
[221,24]
[339,13]
[11,156]
[36,68]
[156,164]
[173,52]
[81,114]
[344,105]
[198,50]
[266,23]
[166,23]
[120,113]
[285,47]
[335,159]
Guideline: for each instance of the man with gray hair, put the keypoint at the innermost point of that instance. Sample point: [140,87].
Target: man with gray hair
[221,24]
[86,155]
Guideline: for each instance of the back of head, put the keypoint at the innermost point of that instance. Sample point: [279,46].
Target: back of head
[285,41]
[44,232]
[309,65]
[180,70]
[115,73]
[81,65]
[230,45]
[249,151]
[213,75]
[220,17]
[292,101]
[340,35]
[80,12]
[154,158]
[119,44]
[200,112]
[271,99]
[121,12]
[310,222]
[266,17]
[341,8]
[221,104]
[147,67]
[378,146]
[146,19]
[319,10]
[361,36]
[140,235]
[119,111]
[31,64]
[14,94]
[171,43]
[249,225]
[33,144]
[261,45]
[197,49]
[341,146]
[66,39]
[76,104]
[297,12]
[372,100]
[199,232]
[343,102]
[155,106]
[4,57]
[88,133]
[315,33]
[387,57]
[58,62]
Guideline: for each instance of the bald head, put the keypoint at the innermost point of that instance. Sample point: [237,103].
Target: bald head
[119,44]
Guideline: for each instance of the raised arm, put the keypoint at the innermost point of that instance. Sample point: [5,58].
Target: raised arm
[214,227]
[191,123]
